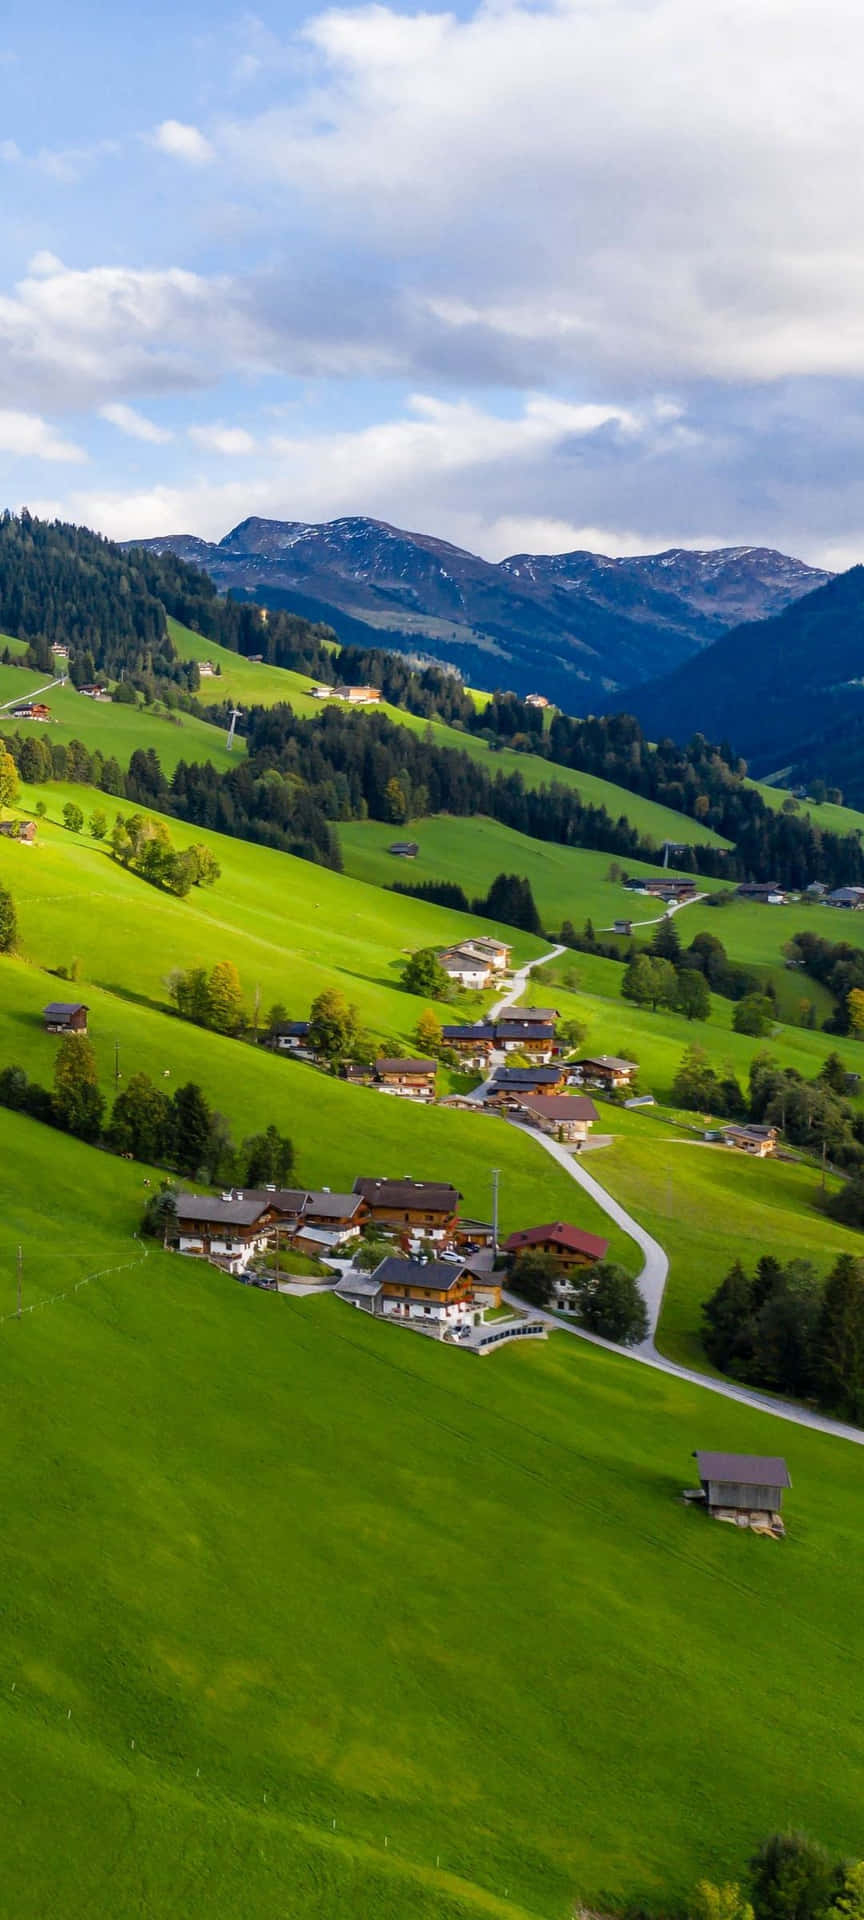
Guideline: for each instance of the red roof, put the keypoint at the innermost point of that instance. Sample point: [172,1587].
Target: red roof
[564,1236]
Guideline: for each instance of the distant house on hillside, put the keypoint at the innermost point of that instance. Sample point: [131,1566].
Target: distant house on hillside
[95,692]
[570,1246]
[30,710]
[357,696]
[228,1229]
[816,890]
[605,1070]
[406,849]
[412,1078]
[289,1036]
[513,1083]
[439,1293]
[536,700]
[538,1016]
[849,897]
[769,892]
[60,652]
[744,1488]
[623,926]
[65,1016]
[22,830]
[412,1209]
[473,1045]
[564,1116]
[757,1141]
[666,888]
[466,968]
[527,1036]
[497,952]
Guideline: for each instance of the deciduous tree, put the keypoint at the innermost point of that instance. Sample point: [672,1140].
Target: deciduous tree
[77,1101]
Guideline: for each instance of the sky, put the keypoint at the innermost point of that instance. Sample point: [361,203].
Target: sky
[528,277]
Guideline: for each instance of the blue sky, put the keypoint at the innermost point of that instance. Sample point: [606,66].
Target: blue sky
[522,276]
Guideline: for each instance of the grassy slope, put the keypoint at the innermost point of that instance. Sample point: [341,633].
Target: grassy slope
[567,882]
[293,929]
[113,729]
[832,819]
[709,1206]
[246,1536]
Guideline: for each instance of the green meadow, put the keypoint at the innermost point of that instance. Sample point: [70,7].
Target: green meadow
[709,1206]
[568,883]
[305,1616]
[113,729]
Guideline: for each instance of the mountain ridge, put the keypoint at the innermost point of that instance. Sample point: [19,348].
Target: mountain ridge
[577,627]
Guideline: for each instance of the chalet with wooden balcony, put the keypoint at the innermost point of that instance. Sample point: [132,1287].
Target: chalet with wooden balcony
[414,1210]
[565,1117]
[412,1079]
[228,1228]
[604,1070]
[472,1044]
[570,1246]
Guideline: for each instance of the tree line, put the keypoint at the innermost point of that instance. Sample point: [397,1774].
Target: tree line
[783,1328]
[815,1115]
[508,899]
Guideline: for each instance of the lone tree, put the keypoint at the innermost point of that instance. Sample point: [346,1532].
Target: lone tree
[191,1129]
[73,818]
[142,1120]
[534,1276]
[793,1878]
[612,1305]
[423,974]
[77,1102]
[8,921]
[333,1025]
[693,997]
[428,1032]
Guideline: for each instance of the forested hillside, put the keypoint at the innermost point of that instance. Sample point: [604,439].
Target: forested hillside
[786,690]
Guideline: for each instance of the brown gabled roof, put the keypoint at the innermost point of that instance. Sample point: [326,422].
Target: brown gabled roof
[538,1016]
[609,1060]
[233,1211]
[406,1066]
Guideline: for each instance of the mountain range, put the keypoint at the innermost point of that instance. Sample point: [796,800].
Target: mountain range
[787,691]
[579,627]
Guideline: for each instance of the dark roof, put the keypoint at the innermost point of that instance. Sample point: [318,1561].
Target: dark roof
[235,1212]
[296,1027]
[571,1237]
[61,1009]
[521,1078]
[440,1275]
[560,1106]
[543,1016]
[526,1030]
[364,1284]
[462,958]
[406,1066]
[334,1206]
[468,1033]
[748,1469]
[404,846]
[434,1196]
[283,1199]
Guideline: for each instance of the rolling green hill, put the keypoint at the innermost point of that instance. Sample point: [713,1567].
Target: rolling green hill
[232,1657]
[114,729]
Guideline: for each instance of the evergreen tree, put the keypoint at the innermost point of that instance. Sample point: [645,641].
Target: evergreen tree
[77,1101]
[8,921]
[841,1338]
[728,1331]
[666,945]
[191,1127]
[142,1120]
[267,1158]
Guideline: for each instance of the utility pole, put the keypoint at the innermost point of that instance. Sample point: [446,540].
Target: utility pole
[20,1264]
[496,1173]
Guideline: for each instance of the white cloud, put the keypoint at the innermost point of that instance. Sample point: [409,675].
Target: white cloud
[10,152]
[182,142]
[221,439]
[28,436]
[675,185]
[128,420]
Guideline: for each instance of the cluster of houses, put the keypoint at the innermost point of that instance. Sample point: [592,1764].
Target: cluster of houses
[771,894]
[440,1274]
[477,963]
[669,888]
